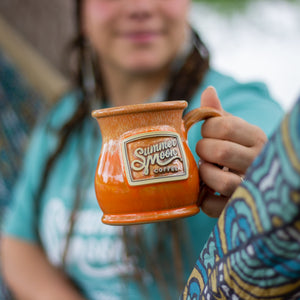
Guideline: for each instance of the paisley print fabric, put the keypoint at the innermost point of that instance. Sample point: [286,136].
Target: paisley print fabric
[253,251]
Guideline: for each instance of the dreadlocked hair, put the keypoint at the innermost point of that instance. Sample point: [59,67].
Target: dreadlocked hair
[187,79]
[183,84]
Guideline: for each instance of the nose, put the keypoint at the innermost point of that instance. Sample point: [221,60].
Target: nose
[139,9]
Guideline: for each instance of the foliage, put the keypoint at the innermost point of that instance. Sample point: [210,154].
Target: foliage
[228,6]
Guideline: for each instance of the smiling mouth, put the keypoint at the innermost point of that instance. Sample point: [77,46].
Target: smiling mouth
[141,36]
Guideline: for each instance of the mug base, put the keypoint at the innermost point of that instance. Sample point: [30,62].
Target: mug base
[150,217]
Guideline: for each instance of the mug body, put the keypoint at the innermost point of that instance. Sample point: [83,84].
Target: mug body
[146,171]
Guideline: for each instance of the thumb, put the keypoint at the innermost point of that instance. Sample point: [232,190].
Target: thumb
[210,98]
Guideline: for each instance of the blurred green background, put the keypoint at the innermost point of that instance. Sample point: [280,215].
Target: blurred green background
[231,6]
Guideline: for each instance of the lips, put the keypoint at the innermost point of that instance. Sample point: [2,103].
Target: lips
[141,36]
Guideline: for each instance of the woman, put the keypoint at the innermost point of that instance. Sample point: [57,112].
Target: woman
[128,52]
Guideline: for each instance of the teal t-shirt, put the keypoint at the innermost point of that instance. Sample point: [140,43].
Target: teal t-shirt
[96,259]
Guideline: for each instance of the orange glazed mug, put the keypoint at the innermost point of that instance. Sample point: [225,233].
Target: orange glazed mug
[146,171]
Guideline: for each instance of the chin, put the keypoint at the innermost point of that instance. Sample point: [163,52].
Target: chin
[144,71]
[145,66]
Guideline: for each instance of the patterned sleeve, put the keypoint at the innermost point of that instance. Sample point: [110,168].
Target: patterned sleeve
[253,251]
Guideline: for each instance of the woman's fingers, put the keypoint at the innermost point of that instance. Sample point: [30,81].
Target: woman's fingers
[228,147]
[219,180]
[233,129]
[225,153]
[211,204]
[231,142]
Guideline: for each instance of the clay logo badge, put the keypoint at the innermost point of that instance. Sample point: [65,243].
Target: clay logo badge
[154,157]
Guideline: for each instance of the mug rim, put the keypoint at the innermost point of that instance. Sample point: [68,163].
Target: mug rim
[138,108]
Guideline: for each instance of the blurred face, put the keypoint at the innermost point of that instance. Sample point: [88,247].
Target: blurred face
[135,35]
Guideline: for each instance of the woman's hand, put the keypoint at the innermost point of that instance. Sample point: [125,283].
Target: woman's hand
[228,148]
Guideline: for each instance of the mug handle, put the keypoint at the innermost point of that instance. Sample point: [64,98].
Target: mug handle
[199,114]
[192,117]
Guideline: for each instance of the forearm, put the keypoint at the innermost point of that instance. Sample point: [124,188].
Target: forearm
[29,274]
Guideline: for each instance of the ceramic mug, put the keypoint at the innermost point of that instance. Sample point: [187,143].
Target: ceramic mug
[146,171]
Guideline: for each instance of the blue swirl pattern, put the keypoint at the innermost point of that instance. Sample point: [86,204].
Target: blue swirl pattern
[254,250]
